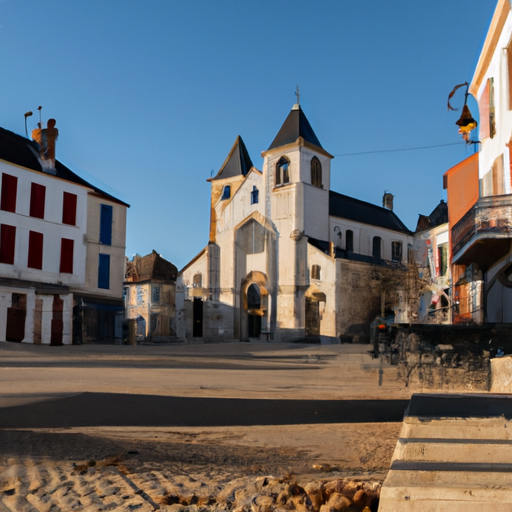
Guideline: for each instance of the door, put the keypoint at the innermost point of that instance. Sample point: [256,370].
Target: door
[197,327]
[16,316]
[312,318]
[254,311]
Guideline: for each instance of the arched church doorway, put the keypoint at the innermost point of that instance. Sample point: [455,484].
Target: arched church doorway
[255,304]
[254,310]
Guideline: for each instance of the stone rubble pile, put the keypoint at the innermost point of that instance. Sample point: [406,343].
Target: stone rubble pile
[271,494]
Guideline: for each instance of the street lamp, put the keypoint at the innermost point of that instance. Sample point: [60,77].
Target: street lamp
[466,122]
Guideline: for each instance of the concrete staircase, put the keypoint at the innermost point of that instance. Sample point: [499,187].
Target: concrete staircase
[454,454]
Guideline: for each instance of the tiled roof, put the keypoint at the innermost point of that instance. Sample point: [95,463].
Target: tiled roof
[150,267]
[296,125]
[347,207]
[237,163]
[21,151]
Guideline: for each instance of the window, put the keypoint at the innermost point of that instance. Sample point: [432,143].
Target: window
[349,240]
[498,187]
[442,258]
[66,255]
[282,172]
[487,111]
[69,209]
[156,295]
[250,237]
[316,172]
[509,70]
[35,250]
[198,280]
[104,271]
[9,190]
[492,109]
[396,252]
[315,272]
[226,193]
[254,195]
[7,239]
[376,250]
[37,199]
[105,224]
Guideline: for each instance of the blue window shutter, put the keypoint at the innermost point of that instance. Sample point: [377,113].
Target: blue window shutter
[104,271]
[106,224]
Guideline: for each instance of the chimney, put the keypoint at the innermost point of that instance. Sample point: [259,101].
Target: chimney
[387,200]
[46,138]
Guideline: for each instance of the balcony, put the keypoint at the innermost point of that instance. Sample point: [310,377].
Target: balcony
[484,234]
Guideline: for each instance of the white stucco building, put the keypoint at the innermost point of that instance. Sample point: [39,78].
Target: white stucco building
[287,257]
[62,244]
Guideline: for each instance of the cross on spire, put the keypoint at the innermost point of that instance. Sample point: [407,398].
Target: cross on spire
[297,93]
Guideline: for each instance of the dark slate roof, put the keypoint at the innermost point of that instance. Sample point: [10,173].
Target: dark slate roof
[237,163]
[21,151]
[296,125]
[438,216]
[347,207]
[324,246]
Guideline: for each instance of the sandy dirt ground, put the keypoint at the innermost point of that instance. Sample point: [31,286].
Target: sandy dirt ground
[129,467]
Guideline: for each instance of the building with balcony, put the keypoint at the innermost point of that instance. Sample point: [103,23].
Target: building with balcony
[480,190]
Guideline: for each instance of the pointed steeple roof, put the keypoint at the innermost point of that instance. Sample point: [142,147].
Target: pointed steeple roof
[296,125]
[237,163]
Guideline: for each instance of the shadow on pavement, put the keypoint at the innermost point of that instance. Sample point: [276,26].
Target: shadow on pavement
[111,409]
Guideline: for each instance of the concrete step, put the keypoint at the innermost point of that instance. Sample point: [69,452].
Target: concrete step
[454,453]
[451,490]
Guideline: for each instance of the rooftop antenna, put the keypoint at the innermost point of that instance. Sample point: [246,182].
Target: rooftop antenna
[297,93]
[40,122]
[27,114]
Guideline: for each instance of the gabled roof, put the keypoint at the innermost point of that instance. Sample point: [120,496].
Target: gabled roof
[150,267]
[237,163]
[296,125]
[23,152]
[347,207]
[438,216]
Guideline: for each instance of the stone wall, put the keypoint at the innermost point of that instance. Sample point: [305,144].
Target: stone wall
[441,357]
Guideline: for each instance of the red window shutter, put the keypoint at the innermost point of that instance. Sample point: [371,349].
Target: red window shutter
[7,241]
[69,209]
[9,190]
[66,255]
[35,250]
[37,200]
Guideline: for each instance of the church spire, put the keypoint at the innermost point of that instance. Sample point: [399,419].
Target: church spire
[296,125]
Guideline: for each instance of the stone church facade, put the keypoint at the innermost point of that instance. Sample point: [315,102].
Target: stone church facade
[287,258]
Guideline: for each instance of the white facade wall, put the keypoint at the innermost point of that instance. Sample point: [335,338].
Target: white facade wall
[51,227]
[116,249]
[490,149]
[363,235]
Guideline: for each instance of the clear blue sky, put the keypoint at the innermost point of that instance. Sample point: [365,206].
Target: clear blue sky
[150,96]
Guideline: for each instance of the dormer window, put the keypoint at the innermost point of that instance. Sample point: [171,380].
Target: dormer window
[316,172]
[282,172]
[226,193]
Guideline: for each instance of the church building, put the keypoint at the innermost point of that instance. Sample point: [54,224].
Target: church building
[287,258]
